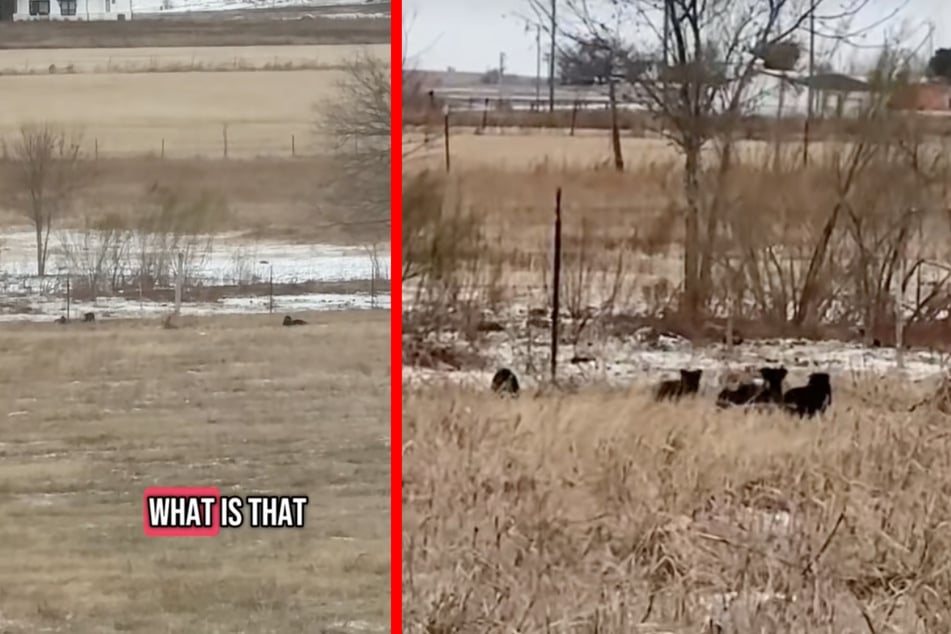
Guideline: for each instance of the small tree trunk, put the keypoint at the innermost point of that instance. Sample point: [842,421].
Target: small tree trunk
[40,255]
[615,132]
[692,231]
[778,140]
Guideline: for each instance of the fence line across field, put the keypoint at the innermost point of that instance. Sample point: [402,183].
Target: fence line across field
[211,141]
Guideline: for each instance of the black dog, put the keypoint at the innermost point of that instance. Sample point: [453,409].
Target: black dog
[676,389]
[751,394]
[89,317]
[504,382]
[772,392]
[810,399]
[293,322]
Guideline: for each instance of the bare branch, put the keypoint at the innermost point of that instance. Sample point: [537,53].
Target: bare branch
[357,122]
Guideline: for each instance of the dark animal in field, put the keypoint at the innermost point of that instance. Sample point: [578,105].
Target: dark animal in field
[293,322]
[752,394]
[62,320]
[742,394]
[504,382]
[772,391]
[675,389]
[87,317]
[810,399]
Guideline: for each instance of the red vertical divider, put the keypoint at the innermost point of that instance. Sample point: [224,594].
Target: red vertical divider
[396,316]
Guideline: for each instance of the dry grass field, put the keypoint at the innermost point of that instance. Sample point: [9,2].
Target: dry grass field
[603,512]
[171,58]
[131,114]
[590,508]
[272,198]
[522,149]
[93,415]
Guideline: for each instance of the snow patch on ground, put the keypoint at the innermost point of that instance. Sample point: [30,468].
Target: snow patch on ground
[119,308]
[187,6]
[232,260]
[627,362]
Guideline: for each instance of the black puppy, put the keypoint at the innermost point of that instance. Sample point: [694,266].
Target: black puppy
[504,382]
[749,393]
[676,389]
[810,399]
[87,317]
[772,391]
[293,322]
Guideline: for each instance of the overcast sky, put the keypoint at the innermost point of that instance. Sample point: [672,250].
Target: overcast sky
[470,34]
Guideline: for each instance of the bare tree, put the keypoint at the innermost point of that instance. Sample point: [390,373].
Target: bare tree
[546,17]
[357,120]
[698,82]
[45,170]
[600,59]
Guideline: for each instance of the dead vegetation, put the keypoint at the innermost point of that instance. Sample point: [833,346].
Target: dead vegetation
[785,249]
[267,198]
[602,511]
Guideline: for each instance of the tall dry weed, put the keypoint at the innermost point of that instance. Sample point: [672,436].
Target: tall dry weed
[604,512]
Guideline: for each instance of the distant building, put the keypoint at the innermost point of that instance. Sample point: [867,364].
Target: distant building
[73,10]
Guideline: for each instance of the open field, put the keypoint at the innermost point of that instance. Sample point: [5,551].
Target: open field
[275,211]
[263,110]
[267,198]
[95,413]
[602,511]
[181,58]
[554,149]
[296,26]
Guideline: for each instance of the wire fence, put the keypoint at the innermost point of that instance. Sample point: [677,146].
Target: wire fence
[202,140]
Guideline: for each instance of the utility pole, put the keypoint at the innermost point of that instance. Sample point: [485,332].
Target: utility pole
[501,73]
[812,79]
[931,28]
[538,64]
[666,30]
[551,58]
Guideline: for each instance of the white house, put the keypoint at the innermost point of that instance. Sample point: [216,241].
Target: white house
[73,10]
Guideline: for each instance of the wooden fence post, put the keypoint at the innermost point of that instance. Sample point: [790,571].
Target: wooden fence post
[179,282]
[445,116]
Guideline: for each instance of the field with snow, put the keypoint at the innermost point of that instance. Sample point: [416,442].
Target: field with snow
[225,273]
[585,505]
[221,394]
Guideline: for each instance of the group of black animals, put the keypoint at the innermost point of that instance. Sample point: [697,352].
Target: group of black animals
[804,401]
[87,318]
[91,317]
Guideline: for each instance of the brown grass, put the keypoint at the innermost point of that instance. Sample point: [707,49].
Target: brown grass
[645,124]
[94,414]
[258,30]
[179,59]
[603,512]
[542,150]
[270,198]
[263,110]
[178,114]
